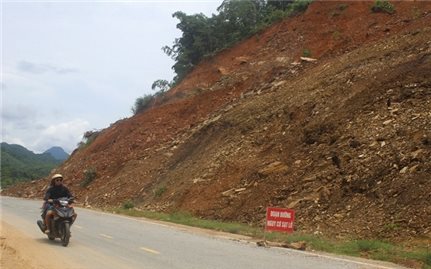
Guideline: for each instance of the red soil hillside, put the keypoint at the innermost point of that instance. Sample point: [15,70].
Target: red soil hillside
[344,140]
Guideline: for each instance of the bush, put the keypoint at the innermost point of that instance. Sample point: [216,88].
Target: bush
[142,103]
[88,138]
[299,6]
[306,53]
[159,192]
[275,16]
[89,176]
[128,205]
[383,6]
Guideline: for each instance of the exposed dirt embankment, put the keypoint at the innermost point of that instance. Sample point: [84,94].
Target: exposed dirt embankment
[344,140]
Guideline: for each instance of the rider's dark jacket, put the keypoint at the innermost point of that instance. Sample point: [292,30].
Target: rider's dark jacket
[55,192]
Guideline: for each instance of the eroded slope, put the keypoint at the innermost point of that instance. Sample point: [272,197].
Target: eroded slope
[344,140]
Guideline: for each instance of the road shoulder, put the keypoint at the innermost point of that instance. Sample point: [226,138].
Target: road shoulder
[19,251]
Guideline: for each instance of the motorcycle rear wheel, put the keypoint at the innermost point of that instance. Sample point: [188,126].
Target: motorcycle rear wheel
[65,236]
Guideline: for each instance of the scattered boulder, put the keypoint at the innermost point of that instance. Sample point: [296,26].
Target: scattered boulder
[275,167]
[307,59]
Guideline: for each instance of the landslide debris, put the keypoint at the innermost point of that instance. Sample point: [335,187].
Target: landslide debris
[344,140]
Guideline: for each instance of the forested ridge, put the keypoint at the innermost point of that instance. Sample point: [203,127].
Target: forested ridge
[20,164]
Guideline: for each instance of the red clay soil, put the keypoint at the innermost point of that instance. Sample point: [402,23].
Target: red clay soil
[344,140]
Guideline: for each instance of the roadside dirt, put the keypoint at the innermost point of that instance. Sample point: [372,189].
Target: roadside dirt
[18,251]
[344,140]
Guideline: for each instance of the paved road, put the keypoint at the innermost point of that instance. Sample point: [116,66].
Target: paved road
[105,241]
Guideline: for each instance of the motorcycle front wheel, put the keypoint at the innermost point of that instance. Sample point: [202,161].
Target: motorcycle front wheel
[65,235]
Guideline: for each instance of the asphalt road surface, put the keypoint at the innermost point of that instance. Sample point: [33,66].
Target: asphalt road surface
[105,241]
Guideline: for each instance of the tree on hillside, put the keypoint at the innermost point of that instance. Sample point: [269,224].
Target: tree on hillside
[162,84]
[197,40]
[142,103]
[237,19]
[279,4]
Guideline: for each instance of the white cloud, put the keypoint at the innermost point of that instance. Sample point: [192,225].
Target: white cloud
[66,135]
[69,67]
[37,131]
[19,114]
[36,68]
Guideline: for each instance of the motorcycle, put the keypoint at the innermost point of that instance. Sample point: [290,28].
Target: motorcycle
[63,219]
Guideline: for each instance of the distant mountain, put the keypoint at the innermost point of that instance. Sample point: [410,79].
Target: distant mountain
[21,164]
[58,153]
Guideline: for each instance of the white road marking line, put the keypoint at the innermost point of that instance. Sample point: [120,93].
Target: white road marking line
[357,262]
[150,250]
[376,265]
[77,226]
[106,236]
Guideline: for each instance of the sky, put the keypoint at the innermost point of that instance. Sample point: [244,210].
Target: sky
[68,67]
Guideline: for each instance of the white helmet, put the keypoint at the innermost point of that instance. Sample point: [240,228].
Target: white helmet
[56,176]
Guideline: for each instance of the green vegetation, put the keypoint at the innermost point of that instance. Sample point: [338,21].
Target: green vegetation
[159,192]
[162,84]
[416,13]
[19,164]
[89,176]
[373,249]
[336,35]
[187,219]
[88,138]
[427,259]
[128,205]
[391,227]
[142,103]
[383,6]
[306,53]
[340,8]
[58,153]
[237,20]
[204,36]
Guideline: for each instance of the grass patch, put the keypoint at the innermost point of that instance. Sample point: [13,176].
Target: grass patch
[336,35]
[159,192]
[427,258]
[372,249]
[364,248]
[128,205]
[423,256]
[342,7]
[189,220]
[306,53]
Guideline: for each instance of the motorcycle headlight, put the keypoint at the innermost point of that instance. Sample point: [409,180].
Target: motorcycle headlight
[63,203]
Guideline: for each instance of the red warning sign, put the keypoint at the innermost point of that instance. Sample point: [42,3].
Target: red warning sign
[279,219]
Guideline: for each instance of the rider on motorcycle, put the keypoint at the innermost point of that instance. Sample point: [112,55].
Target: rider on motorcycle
[55,191]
